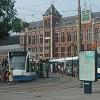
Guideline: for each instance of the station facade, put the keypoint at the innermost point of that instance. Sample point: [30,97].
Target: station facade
[56,36]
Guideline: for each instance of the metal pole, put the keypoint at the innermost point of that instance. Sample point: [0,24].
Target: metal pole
[79,28]
[51,40]
[24,42]
[51,55]
[79,38]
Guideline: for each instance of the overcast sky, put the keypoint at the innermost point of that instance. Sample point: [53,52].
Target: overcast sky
[32,10]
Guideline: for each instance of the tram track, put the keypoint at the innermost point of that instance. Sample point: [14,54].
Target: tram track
[38,88]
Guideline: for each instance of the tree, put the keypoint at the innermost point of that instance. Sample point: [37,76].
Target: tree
[18,25]
[7,13]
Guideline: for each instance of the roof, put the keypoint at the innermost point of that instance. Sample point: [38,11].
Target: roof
[7,48]
[10,40]
[52,10]
[96,16]
[64,21]
[36,25]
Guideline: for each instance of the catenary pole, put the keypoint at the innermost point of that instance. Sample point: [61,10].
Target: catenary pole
[79,38]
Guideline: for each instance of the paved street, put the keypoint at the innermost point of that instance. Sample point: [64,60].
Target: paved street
[57,87]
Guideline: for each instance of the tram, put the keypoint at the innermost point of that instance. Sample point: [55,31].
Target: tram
[70,63]
[98,66]
[22,63]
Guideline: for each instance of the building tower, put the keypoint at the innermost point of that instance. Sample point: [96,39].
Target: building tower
[50,18]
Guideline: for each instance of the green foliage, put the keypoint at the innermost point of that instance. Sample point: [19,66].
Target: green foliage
[7,13]
[18,25]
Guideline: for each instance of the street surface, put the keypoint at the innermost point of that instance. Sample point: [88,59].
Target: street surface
[57,87]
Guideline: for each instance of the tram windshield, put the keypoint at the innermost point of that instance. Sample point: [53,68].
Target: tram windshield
[18,62]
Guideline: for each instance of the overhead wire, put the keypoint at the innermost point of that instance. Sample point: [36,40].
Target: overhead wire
[35,11]
[94,5]
[31,6]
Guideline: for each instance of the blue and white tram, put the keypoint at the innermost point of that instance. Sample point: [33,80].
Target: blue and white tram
[23,65]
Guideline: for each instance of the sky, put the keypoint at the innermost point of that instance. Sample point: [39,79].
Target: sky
[32,10]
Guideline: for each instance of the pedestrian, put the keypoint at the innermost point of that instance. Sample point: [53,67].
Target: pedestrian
[11,76]
[37,72]
[59,69]
[7,76]
[3,63]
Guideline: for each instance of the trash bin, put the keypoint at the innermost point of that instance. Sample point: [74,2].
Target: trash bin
[87,87]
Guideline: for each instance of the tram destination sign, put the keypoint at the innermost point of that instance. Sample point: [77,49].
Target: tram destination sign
[87,65]
[11,54]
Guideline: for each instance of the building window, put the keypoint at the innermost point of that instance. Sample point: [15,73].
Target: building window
[62,49]
[88,36]
[97,30]
[47,40]
[69,38]
[41,49]
[47,34]
[41,55]
[62,54]
[75,37]
[29,39]
[56,54]
[69,54]
[46,55]
[88,46]
[62,37]
[56,37]
[88,30]
[37,39]
[33,39]
[56,49]
[34,49]
[69,49]
[47,23]
[41,35]
[41,40]
[47,48]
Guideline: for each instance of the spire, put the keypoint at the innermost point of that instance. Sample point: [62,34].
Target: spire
[85,5]
[52,2]
[52,10]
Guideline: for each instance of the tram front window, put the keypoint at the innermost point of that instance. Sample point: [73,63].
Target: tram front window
[18,63]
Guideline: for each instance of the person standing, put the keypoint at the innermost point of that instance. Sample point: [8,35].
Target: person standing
[11,76]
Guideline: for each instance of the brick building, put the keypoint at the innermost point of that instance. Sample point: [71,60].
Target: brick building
[56,36]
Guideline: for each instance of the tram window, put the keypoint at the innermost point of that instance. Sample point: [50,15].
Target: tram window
[18,62]
[98,62]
